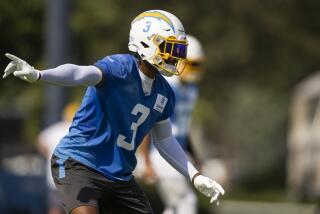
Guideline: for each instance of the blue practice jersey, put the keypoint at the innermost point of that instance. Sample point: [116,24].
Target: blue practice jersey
[186,96]
[114,117]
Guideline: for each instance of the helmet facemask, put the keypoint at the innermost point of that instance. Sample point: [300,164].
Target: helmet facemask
[170,57]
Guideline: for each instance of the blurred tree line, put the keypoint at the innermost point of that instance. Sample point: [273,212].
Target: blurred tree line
[257,51]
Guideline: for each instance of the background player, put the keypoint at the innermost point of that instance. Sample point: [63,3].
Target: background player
[126,98]
[48,139]
[174,189]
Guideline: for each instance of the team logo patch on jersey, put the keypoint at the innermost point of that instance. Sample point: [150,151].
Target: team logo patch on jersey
[161,102]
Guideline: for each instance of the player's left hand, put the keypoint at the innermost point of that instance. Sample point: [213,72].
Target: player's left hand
[209,188]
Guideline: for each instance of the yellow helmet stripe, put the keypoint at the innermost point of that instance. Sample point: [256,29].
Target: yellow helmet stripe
[157,15]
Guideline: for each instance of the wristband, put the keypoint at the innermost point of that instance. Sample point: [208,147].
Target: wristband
[39,77]
[195,175]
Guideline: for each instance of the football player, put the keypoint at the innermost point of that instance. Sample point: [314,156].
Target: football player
[126,98]
[174,189]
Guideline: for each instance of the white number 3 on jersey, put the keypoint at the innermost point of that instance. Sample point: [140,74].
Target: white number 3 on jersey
[139,108]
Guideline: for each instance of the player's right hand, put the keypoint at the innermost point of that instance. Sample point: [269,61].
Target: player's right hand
[21,69]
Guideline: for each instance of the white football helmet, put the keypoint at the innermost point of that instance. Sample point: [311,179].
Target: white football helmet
[159,38]
[195,58]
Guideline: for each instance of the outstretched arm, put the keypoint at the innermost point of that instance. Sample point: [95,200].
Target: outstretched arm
[64,75]
[172,152]
[72,75]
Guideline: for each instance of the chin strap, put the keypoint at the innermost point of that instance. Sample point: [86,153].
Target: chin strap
[150,66]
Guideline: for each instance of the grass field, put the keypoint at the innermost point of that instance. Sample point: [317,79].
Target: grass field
[252,207]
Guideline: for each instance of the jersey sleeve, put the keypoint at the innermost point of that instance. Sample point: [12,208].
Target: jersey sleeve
[169,109]
[114,66]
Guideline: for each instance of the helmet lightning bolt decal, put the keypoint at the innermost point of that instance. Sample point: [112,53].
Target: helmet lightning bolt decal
[157,15]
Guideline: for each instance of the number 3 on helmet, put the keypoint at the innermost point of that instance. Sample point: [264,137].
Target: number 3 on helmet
[159,38]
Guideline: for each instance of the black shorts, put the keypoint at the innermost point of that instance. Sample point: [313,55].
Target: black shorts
[79,185]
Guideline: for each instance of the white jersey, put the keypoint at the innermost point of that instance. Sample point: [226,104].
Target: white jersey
[185,97]
[49,138]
